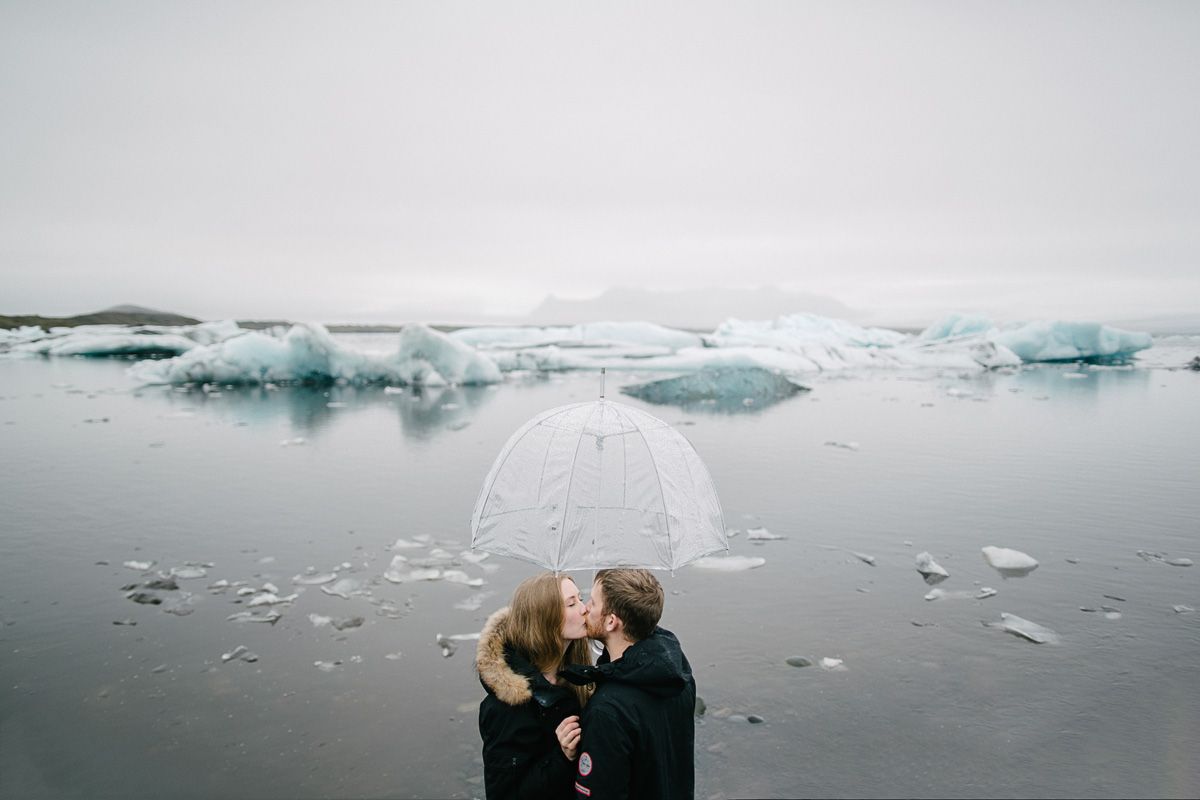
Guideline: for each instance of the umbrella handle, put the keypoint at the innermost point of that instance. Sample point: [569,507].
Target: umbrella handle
[602,383]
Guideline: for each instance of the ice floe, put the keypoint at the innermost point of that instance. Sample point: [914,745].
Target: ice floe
[315,579]
[118,340]
[1162,558]
[270,617]
[1043,340]
[342,588]
[1019,626]
[728,563]
[721,389]
[930,570]
[832,664]
[1009,563]
[762,535]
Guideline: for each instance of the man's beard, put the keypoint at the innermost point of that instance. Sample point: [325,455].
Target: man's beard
[595,628]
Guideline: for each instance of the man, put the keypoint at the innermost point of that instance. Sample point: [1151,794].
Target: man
[638,728]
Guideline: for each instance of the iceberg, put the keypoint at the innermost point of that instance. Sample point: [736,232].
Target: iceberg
[307,353]
[787,332]
[953,326]
[143,341]
[593,334]
[1070,341]
[720,389]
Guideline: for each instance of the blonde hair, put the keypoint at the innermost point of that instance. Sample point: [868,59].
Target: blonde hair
[535,627]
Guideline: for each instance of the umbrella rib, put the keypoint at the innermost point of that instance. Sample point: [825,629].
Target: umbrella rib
[661,493]
[562,526]
[500,467]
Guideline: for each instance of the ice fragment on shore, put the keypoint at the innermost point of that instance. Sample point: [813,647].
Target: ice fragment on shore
[1010,563]
[762,535]
[930,570]
[728,563]
[1018,626]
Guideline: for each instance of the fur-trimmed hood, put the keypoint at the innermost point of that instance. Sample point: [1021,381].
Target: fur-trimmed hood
[510,687]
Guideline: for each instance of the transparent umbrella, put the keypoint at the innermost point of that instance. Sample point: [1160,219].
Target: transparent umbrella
[595,485]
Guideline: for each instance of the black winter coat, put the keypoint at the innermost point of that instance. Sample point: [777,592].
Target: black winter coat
[639,730]
[521,755]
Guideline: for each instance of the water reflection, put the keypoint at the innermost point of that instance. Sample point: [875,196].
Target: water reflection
[423,412]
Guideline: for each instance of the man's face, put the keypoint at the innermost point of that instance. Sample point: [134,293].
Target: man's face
[595,613]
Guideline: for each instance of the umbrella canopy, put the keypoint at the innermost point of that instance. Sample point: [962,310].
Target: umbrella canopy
[595,485]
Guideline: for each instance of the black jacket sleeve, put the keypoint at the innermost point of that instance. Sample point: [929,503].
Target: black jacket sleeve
[605,753]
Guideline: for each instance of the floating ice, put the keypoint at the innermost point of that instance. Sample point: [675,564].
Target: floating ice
[270,599]
[237,651]
[985,592]
[314,580]
[832,664]
[930,570]
[141,566]
[1069,341]
[473,557]
[762,535]
[308,354]
[721,389]
[474,602]
[863,557]
[1010,563]
[458,576]
[118,340]
[405,544]
[189,572]
[1182,609]
[409,576]
[343,588]
[319,620]
[843,445]
[956,325]
[270,617]
[1019,626]
[1179,562]
[728,563]
[327,666]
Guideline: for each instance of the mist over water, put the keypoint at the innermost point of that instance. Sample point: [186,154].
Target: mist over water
[1081,473]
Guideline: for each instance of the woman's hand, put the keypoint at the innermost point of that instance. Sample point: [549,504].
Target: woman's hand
[569,732]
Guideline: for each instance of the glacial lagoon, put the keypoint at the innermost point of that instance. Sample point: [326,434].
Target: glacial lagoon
[363,687]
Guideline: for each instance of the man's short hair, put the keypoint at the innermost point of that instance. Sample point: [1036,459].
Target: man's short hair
[635,596]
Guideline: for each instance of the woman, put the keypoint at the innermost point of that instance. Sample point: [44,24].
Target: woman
[529,720]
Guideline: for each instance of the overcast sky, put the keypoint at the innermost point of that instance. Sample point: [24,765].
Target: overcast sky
[383,161]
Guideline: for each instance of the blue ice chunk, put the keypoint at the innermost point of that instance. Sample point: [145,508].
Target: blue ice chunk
[1070,341]
[723,389]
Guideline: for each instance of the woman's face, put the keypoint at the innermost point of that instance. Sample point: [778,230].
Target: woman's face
[574,612]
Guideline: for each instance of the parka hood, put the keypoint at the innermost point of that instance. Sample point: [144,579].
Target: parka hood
[656,665]
[506,672]
[497,676]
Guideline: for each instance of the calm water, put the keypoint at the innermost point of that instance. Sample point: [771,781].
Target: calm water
[1091,469]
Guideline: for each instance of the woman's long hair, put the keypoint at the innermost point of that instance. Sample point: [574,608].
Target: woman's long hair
[535,626]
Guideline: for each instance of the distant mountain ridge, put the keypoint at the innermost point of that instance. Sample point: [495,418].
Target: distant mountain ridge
[117,315]
[695,309]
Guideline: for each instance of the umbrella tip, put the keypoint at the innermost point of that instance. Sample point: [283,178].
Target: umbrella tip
[602,383]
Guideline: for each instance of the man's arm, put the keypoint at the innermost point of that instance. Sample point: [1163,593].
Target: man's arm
[604,766]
